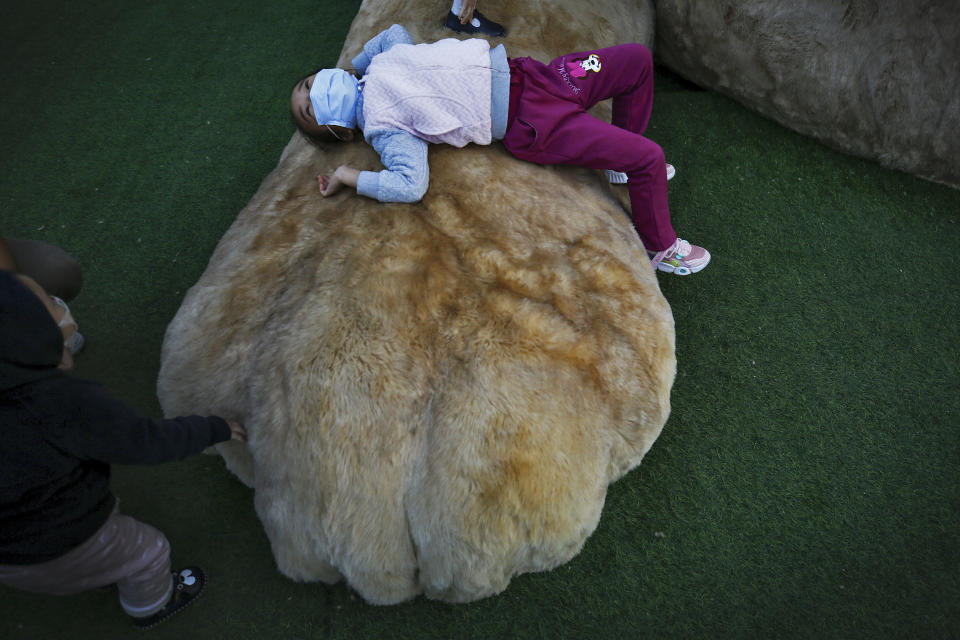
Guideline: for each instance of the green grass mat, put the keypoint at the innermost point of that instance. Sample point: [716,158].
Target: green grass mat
[806,485]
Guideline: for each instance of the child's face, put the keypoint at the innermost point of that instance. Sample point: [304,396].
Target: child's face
[302,110]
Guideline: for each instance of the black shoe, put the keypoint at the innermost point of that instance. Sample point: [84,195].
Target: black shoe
[188,585]
[486,27]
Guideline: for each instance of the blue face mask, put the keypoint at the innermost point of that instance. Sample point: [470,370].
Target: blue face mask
[334,98]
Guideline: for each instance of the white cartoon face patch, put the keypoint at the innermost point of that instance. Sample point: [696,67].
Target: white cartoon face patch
[579,68]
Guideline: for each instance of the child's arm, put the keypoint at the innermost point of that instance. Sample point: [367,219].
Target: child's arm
[405,179]
[406,175]
[344,176]
[380,43]
[102,428]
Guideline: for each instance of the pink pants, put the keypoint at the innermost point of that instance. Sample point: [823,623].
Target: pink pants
[125,552]
[549,124]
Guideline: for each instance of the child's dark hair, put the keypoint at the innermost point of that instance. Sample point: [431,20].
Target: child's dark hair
[313,136]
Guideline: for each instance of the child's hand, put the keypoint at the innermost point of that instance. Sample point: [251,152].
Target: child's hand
[237,431]
[343,176]
[329,185]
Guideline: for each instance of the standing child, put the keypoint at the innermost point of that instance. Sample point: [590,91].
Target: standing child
[60,527]
[461,91]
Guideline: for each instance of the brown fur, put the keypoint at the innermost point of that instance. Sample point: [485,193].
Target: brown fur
[438,394]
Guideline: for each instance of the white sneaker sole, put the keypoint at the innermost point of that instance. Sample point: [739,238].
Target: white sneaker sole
[619,177]
[683,270]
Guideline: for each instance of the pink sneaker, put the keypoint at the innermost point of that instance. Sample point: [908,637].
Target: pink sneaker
[681,258]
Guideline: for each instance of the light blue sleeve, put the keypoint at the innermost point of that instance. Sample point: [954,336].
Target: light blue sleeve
[380,43]
[407,173]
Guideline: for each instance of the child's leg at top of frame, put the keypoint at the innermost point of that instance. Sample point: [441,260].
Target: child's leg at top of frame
[623,72]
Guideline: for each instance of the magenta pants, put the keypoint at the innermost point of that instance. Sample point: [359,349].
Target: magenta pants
[549,124]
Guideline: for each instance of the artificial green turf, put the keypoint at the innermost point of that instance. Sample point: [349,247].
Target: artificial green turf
[806,484]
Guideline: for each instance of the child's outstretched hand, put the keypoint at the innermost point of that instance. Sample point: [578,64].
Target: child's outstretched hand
[343,176]
[327,185]
[237,431]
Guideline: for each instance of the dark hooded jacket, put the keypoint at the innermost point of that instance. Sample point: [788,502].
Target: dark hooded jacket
[59,434]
